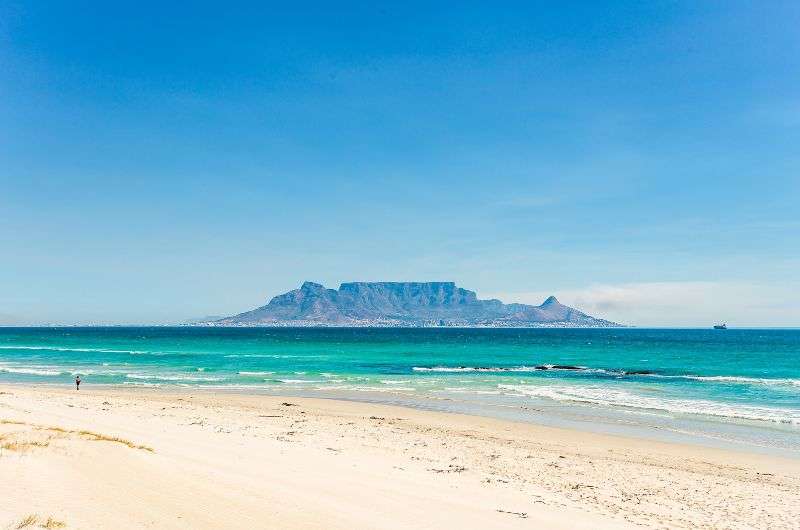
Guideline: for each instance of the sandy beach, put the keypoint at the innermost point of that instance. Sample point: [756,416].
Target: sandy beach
[119,458]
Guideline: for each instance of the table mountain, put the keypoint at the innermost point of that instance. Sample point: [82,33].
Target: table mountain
[405,304]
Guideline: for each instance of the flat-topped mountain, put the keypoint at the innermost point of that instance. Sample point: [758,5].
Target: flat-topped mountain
[405,304]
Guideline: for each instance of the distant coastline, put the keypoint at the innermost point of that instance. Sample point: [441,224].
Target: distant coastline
[404,305]
[402,324]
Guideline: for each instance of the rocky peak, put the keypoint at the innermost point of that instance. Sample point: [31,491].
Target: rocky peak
[551,300]
[311,286]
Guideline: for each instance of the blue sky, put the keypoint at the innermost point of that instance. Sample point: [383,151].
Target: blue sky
[638,159]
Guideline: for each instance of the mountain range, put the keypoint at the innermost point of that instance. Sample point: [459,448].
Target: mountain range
[404,304]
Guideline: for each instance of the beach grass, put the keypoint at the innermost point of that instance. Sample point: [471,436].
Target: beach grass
[28,521]
[33,520]
[17,445]
[115,439]
[22,445]
[53,523]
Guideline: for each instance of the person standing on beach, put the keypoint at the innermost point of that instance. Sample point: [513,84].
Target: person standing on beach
[77,382]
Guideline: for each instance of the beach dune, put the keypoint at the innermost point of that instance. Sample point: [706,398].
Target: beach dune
[115,458]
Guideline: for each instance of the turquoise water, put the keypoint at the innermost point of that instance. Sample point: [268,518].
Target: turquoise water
[741,386]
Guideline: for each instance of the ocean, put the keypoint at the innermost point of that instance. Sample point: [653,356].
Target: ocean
[736,388]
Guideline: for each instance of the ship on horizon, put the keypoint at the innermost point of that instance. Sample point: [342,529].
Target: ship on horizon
[721,325]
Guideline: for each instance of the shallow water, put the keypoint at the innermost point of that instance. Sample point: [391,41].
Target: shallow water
[732,387]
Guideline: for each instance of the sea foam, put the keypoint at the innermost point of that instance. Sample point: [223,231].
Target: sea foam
[29,371]
[623,398]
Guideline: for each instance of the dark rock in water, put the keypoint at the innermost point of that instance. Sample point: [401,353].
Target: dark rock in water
[639,372]
[405,304]
[559,367]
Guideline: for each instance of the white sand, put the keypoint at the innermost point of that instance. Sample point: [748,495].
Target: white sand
[230,461]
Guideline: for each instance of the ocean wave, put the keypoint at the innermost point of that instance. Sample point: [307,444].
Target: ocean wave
[504,369]
[56,370]
[458,369]
[356,388]
[724,379]
[89,371]
[467,390]
[66,348]
[165,377]
[622,398]
[255,373]
[257,356]
[744,380]
[299,381]
[30,371]
[615,373]
[248,386]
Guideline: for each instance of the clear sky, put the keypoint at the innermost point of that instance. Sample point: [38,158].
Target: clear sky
[161,161]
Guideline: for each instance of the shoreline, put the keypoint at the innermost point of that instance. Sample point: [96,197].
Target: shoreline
[275,461]
[559,415]
[241,396]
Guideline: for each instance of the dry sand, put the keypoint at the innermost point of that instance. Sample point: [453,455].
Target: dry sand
[116,458]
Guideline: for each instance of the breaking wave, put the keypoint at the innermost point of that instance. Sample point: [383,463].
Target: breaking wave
[615,373]
[622,398]
[744,380]
[458,369]
[29,371]
[84,350]
[156,377]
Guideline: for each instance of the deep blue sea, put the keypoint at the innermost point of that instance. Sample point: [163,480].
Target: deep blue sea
[731,386]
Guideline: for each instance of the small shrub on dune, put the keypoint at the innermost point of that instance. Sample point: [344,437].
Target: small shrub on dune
[29,521]
[53,523]
[22,445]
[34,520]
